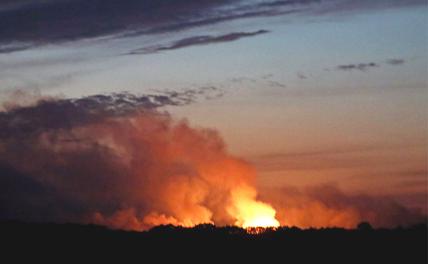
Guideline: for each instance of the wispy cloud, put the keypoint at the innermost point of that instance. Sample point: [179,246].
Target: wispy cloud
[395,61]
[198,40]
[341,6]
[360,156]
[364,66]
[59,21]
[28,23]
[359,66]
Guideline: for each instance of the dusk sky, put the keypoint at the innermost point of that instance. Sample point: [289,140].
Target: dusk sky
[315,95]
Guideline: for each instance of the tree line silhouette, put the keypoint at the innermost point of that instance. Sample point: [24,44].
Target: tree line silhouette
[210,244]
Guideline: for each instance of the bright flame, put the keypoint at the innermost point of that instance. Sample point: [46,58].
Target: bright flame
[249,212]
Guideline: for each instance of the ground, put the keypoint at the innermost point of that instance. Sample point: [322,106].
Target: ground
[207,244]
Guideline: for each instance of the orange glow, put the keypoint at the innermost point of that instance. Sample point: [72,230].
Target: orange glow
[249,212]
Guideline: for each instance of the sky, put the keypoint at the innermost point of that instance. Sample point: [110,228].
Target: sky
[311,93]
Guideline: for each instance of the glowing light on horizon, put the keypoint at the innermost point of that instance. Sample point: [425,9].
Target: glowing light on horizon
[249,212]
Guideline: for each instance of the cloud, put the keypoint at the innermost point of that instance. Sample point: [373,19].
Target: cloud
[328,206]
[265,80]
[301,76]
[198,40]
[404,188]
[117,160]
[9,48]
[36,23]
[280,3]
[29,23]
[359,66]
[53,113]
[56,113]
[367,65]
[346,6]
[349,157]
[395,61]
[63,20]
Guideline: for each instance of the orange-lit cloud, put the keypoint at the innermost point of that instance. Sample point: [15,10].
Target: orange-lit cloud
[119,161]
[124,165]
[328,206]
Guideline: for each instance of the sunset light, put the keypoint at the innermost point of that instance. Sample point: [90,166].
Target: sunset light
[165,124]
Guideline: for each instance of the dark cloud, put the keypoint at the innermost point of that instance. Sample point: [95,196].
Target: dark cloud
[368,65]
[301,76]
[247,79]
[276,84]
[280,3]
[37,23]
[362,5]
[198,40]
[24,196]
[115,160]
[64,20]
[359,66]
[65,113]
[54,113]
[238,14]
[38,182]
[266,79]
[395,61]
[28,23]
[193,94]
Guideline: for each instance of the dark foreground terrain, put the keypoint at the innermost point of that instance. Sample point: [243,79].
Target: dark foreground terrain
[208,244]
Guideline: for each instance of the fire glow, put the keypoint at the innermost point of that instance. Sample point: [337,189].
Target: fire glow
[244,208]
[249,212]
[134,170]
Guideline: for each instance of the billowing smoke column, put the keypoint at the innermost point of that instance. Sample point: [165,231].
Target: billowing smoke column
[118,161]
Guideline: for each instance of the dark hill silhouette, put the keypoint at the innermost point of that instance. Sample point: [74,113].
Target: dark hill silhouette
[210,244]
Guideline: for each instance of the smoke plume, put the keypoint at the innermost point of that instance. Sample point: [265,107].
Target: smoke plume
[118,160]
[328,206]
